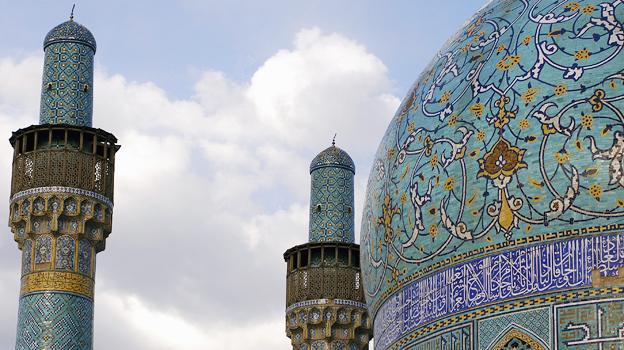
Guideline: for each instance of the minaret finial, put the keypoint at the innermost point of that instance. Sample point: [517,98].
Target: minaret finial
[334,140]
[71,16]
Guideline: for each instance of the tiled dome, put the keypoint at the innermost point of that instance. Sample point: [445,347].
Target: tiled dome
[501,177]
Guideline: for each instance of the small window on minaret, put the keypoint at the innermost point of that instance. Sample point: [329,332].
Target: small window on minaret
[85,88]
[343,256]
[318,208]
[303,258]
[349,210]
[356,260]
[316,257]
[330,255]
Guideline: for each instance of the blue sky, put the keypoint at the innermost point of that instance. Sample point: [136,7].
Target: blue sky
[219,108]
[169,42]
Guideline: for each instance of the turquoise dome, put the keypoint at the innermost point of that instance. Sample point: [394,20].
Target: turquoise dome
[70,31]
[500,178]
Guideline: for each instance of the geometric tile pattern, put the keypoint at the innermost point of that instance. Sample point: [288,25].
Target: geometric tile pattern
[70,31]
[459,337]
[590,325]
[54,321]
[512,134]
[67,91]
[536,322]
[331,197]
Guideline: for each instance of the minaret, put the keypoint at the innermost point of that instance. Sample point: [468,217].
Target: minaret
[61,202]
[325,305]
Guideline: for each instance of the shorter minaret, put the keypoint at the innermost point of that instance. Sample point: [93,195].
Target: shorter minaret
[325,305]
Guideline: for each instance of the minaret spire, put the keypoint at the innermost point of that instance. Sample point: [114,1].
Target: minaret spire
[71,16]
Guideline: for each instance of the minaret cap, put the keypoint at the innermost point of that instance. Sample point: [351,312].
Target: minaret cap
[70,31]
[332,157]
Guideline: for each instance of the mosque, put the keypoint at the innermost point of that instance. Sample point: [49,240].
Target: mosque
[493,216]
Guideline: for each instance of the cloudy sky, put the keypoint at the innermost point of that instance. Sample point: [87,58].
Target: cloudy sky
[219,108]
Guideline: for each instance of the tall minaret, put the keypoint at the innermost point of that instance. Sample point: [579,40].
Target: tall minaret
[61,203]
[325,306]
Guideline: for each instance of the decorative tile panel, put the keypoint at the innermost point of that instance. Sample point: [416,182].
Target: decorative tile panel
[54,321]
[27,248]
[85,252]
[65,250]
[67,91]
[590,325]
[43,250]
[518,273]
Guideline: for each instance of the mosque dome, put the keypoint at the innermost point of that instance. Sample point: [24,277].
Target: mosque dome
[500,178]
[70,31]
[332,157]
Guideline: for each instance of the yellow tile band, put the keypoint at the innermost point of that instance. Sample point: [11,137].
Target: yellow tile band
[57,281]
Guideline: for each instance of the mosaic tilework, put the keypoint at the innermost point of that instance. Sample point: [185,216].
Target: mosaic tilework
[453,338]
[65,250]
[70,31]
[27,256]
[590,325]
[67,90]
[61,204]
[535,322]
[518,340]
[512,274]
[57,281]
[54,321]
[331,198]
[514,131]
[85,252]
[43,250]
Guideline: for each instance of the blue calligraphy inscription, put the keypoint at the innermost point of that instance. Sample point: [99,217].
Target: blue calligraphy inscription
[517,273]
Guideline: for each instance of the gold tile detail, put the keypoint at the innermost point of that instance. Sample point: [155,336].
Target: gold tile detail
[57,281]
[599,281]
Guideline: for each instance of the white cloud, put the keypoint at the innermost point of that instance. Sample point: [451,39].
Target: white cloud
[212,189]
[161,330]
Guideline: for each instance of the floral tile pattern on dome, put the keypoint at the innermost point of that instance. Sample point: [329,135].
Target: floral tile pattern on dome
[515,130]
